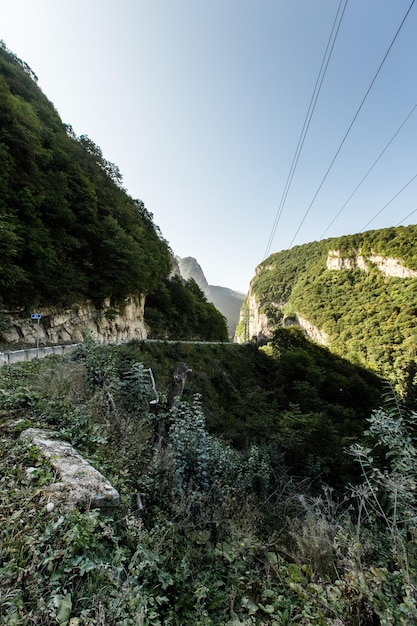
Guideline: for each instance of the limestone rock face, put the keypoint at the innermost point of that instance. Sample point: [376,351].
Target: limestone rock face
[386,265]
[259,326]
[257,323]
[71,325]
[336,262]
[311,331]
[392,267]
[190,268]
[79,482]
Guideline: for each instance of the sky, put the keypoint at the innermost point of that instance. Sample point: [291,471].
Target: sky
[202,104]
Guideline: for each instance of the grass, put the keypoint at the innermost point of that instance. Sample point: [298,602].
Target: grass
[239,545]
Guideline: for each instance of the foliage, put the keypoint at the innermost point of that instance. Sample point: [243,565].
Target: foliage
[180,310]
[68,229]
[368,317]
[302,406]
[380,558]
[225,535]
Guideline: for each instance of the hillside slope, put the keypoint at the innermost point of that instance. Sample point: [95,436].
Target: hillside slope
[70,234]
[356,294]
[226,300]
[69,229]
[209,509]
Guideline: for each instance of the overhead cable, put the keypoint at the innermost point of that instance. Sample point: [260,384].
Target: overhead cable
[307,120]
[369,171]
[406,218]
[352,123]
[385,206]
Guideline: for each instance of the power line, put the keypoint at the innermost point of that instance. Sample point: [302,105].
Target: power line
[307,120]
[406,218]
[351,124]
[369,171]
[385,206]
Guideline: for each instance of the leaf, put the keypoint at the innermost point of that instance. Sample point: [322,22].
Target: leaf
[272,558]
[64,606]
[249,605]
[268,608]
[295,572]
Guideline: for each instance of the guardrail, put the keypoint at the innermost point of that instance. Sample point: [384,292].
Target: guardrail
[19,356]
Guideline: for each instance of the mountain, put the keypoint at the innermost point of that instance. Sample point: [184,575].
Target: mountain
[226,300]
[71,237]
[355,294]
[70,231]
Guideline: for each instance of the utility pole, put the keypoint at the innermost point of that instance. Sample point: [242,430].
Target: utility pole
[247,324]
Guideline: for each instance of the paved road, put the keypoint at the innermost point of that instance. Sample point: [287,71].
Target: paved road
[31,354]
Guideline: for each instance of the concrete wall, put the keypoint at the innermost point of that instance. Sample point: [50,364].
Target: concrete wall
[8,358]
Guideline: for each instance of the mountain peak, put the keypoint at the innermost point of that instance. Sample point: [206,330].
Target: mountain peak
[190,268]
[226,300]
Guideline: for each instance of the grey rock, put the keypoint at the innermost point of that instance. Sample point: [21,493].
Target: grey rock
[78,481]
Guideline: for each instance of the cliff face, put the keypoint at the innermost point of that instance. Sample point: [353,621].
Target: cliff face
[253,323]
[190,268]
[386,265]
[258,317]
[106,325]
[256,325]
[226,300]
[356,294]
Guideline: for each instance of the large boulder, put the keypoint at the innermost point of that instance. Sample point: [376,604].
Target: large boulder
[78,481]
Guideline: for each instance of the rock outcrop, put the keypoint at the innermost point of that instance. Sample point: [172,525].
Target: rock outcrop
[190,268]
[256,323]
[386,265]
[258,326]
[311,331]
[226,300]
[105,325]
[336,262]
[79,483]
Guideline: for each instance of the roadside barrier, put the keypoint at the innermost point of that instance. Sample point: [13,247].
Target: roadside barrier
[31,354]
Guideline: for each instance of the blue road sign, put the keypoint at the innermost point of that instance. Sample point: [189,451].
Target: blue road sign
[36,316]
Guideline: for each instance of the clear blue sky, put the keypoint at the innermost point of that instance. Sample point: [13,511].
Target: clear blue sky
[201,104]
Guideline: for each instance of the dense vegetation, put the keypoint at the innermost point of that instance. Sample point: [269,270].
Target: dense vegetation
[274,490]
[228,535]
[69,231]
[180,309]
[368,317]
[295,397]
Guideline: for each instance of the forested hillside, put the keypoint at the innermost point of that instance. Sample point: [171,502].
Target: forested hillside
[69,231]
[257,484]
[224,473]
[225,300]
[345,289]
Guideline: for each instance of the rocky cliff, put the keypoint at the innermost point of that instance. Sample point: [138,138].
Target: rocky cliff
[388,266]
[356,294]
[256,324]
[189,267]
[106,325]
[226,300]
